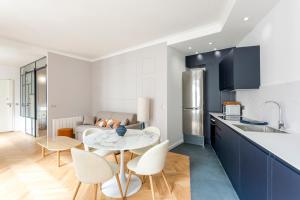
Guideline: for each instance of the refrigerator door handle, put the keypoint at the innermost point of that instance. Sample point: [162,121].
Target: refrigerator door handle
[192,109]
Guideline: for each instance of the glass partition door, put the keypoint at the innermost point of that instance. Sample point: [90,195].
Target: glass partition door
[29,87]
[28,99]
[41,101]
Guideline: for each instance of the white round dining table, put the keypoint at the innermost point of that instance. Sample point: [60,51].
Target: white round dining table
[109,140]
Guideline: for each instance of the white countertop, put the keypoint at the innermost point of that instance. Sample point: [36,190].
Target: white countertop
[284,146]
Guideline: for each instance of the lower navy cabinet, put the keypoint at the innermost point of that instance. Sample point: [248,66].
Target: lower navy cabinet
[285,182]
[253,172]
[232,157]
[218,141]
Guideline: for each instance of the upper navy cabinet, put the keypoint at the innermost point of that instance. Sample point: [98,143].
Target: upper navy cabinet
[285,181]
[240,69]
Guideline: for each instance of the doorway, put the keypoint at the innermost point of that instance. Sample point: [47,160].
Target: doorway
[33,80]
[6,105]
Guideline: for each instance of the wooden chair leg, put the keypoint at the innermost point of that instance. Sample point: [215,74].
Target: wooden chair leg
[43,152]
[95,189]
[76,190]
[58,158]
[128,182]
[143,179]
[152,188]
[116,159]
[100,188]
[119,185]
[168,186]
[131,156]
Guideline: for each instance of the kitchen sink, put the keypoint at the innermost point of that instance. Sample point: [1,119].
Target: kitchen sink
[258,128]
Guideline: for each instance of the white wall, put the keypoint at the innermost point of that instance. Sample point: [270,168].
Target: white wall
[278,35]
[13,73]
[119,80]
[69,87]
[77,87]
[176,65]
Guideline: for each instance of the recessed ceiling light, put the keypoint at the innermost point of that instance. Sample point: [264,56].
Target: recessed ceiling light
[196,52]
[215,49]
[210,43]
[189,48]
[199,57]
[246,19]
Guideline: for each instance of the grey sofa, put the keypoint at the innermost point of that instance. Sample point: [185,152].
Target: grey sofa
[133,123]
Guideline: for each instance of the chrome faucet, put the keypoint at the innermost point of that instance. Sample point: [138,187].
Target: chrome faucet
[280,121]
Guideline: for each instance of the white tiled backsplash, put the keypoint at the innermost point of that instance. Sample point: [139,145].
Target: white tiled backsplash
[287,94]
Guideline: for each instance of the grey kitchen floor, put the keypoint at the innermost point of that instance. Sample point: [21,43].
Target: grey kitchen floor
[208,178]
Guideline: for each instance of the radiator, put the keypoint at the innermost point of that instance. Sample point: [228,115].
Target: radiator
[69,122]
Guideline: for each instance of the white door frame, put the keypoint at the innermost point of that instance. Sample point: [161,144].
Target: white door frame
[12,88]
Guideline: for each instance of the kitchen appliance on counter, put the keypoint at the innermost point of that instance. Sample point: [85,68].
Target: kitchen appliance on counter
[193,106]
[232,108]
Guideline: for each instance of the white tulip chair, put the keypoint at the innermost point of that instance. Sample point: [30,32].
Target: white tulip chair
[99,152]
[93,169]
[150,163]
[141,151]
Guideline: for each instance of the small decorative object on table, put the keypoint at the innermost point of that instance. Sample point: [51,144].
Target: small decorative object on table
[121,130]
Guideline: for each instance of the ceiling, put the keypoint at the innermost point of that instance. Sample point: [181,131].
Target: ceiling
[16,54]
[234,28]
[95,29]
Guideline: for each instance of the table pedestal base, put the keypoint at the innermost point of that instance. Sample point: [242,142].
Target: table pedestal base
[110,188]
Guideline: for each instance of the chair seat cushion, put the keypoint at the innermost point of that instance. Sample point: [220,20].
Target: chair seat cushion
[131,165]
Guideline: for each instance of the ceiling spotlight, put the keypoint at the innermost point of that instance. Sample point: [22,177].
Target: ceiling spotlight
[210,43]
[215,49]
[189,48]
[196,52]
[200,57]
[246,19]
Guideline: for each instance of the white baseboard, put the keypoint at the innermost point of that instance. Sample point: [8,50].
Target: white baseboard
[175,144]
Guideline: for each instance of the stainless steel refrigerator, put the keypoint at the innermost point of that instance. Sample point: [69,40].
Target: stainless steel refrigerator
[192,93]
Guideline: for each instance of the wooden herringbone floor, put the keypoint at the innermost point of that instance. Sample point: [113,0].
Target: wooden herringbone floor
[25,175]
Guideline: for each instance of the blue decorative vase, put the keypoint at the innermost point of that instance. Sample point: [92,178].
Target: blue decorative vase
[121,130]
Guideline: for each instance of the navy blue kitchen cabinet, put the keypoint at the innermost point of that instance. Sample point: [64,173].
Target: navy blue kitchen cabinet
[285,181]
[226,79]
[253,172]
[232,141]
[230,153]
[218,141]
[240,69]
